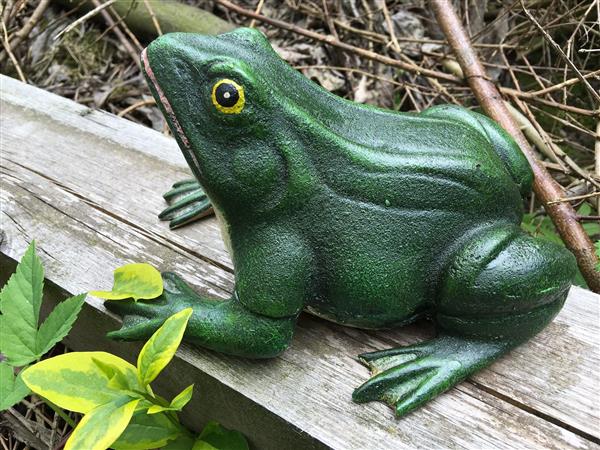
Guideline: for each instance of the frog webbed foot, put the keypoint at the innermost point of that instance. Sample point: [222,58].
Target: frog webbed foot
[407,377]
[187,203]
[143,317]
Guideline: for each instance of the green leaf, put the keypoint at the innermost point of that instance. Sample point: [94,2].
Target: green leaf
[20,301]
[137,281]
[220,438]
[177,403]
[77,382]
[20,340]
[161,347]
[597,245]
[147,431]
[58,323]
[12,390]
[103,425]
[183,442]
[203,445]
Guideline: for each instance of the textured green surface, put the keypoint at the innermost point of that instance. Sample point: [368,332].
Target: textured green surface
[367,217]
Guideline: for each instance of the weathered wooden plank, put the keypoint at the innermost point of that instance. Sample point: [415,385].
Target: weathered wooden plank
[309,386]
[87,185]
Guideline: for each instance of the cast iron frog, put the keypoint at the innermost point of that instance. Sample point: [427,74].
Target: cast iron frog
[366,217]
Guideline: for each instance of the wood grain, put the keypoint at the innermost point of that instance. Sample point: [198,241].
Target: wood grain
[87,186]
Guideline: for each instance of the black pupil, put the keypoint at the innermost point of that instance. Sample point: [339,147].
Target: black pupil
[227,95]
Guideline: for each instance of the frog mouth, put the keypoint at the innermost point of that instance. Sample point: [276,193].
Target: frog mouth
[176,126]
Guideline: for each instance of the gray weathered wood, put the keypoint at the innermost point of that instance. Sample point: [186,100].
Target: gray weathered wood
[87,186]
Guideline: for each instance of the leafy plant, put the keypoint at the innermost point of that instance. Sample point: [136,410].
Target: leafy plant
[120,409]
[21,340]
[119,406]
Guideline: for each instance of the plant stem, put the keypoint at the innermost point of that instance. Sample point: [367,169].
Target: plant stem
[58,410]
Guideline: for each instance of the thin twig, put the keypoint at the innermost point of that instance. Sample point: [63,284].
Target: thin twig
[569,82]
[257,11]
[577,197]
[588,218]
[136,105]
[353,70]
[560,51]
[153,17]
[24,32]
[121,23]
[133,54]
[86,16]
[10,54]
[390,25]
[547,190]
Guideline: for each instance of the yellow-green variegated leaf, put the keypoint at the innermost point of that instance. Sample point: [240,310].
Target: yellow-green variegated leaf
[161,347]
[177,403]
[146,431]
[103,425]
[81,381]
[137,281]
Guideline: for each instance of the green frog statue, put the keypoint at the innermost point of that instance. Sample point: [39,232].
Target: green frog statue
[363,216]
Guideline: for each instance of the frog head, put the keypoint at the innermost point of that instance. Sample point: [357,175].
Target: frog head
[221,106]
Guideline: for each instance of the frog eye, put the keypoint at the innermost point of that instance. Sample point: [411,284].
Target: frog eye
[228,96]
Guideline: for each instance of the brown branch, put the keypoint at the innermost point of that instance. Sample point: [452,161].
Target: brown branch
[547,190]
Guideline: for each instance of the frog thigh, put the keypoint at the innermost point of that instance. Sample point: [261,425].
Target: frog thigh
[504,145]
[273,272]
[504,284]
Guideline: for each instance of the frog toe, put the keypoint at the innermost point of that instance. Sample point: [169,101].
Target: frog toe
[135,328]
[130,307]
[180,188]
[187,203]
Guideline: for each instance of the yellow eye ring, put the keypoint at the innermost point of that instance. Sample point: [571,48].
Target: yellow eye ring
[228,96]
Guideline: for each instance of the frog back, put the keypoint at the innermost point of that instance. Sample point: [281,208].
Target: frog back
[412,162]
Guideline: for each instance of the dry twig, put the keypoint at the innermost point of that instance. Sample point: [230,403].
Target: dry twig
[24,32]
[99,7]
[560,51]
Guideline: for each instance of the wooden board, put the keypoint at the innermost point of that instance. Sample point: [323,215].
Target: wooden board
[87,186]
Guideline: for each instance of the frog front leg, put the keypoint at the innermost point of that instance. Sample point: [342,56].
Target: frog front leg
[500,289]
[272,281]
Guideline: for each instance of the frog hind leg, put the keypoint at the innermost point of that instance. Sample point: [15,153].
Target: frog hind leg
[502,288]
[187,203]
